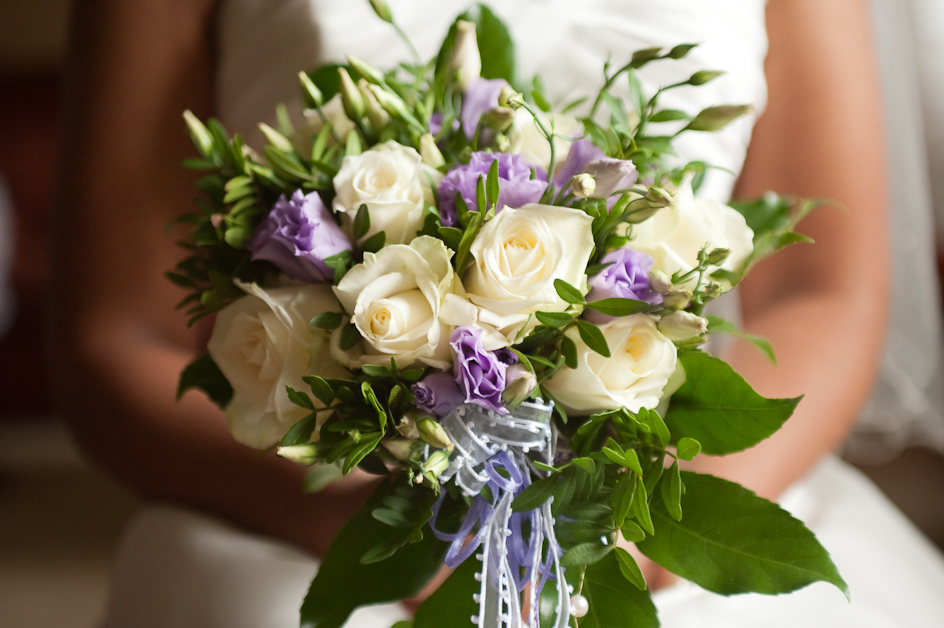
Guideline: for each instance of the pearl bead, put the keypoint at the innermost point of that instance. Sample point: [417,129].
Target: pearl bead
[579,606]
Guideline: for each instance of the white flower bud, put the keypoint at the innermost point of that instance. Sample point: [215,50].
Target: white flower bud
[677,300]
[351,97]
[375,113]
[437,463]
[498,118]
[430,153]
[399,448]
[611,175]
[519,384]
[465,63]
[506,95]
[369,72]
[407,427]
[682,325]
[658,196]
[299,454]
[583,185]
[660,282]
[433,434]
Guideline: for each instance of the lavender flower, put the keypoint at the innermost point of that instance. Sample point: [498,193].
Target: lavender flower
[627,277]
[297,236]
[481,97]
[479,373]
[437,393]
[581,153]
[516,187]
[611,175]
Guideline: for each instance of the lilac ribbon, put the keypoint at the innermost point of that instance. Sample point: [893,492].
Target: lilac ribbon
[495,450]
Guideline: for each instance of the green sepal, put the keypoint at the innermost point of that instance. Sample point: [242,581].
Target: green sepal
[205,375]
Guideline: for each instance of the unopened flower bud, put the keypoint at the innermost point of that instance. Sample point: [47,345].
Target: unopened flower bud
[642,213]
[498,118]
[382,10]
[716,118]
[703,76]
[714,290]
[299,454]
[676,300]
[583,185]
[660,281]
[313,95]
[399,448]
[407,427]
[658,196]
[394,105]
[507,93]
[465,63]
[717,256]
[433,434]
[378,117]
[611,175]
[437,463]
[502,143]
[519,384]
[681,325]
[430,153]
[369,72]
[351,97]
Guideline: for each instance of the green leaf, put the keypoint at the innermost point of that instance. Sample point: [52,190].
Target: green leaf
[299,399]
[687,448]
[593,338]
[320,477]
[668,115]
[343,583]
[632,532]
[320,389]
[491,185]
[672,492]
[585,554]
[716,407]
[718,325]
[375,242]
[569,293]
[574,532]
[554,319]
[569,351]
[365,446]
[349,337]
[301,432]
[327,320]
[453,600]
[630,569]
[619,307]
[535,495]
[615,602]
[622,499]
[361,222]
[285,165]
[205,375]
[732,541]
[640,509]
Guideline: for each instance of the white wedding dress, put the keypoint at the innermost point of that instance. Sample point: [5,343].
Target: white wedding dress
[179,569]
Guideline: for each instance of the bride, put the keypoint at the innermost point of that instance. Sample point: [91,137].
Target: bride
[236,548]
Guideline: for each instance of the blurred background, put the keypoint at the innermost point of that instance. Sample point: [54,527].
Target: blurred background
[61,520]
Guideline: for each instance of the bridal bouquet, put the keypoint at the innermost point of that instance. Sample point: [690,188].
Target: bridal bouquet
[497,305]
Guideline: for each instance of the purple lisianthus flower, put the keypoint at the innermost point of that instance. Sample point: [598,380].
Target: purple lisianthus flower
[581,153]
[479,373]
[297,236]
[438,393]
[611,175]
[516,187]
[479,99]
[627,277]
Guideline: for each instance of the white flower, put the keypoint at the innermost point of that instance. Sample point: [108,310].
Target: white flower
[641,363]
[681,325]
[676,233]
[404,301]
[392,181]
[517,256]
[263,343]
[526,139]
[465,62]
[333,111]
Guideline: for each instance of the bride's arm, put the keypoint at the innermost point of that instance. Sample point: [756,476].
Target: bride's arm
[118,344]
[823,306]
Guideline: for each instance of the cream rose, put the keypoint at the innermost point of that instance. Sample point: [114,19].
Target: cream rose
[517,256]
[526,139]
[641,363]
[392,181]
[263,343]
[676,233]
[404,301]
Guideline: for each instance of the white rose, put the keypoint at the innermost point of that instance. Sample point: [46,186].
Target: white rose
[333,111]
[404,301]
[262,343]
[676,233]
[526,139]
[641,363]
[517,256]
[392,181]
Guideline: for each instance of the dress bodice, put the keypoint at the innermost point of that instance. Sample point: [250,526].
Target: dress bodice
[263,44]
